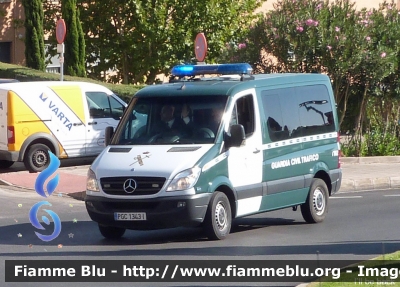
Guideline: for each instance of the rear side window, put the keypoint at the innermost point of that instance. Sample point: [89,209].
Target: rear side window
[297,112]
[315,110]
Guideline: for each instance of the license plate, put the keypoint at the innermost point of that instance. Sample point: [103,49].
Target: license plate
[129,216]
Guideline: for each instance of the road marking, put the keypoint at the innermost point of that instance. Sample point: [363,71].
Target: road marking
[341,197]
[388,195]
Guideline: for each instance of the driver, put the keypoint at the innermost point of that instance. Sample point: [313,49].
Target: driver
[169,123]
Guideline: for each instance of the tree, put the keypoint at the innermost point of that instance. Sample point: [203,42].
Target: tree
[140,39]
[34,36]
[359,50]
[74,41]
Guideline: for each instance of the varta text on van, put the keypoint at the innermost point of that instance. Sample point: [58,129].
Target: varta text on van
[67,118]
[202,151]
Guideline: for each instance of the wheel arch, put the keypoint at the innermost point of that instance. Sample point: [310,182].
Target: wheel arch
[230,195]
[323,175]
[223,184]
[42,138]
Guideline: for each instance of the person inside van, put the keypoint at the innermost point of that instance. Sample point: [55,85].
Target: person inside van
[170,124]
[216,118]
[187,117]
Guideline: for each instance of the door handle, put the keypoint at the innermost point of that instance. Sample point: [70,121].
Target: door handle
[256,150]
[92,123]
[78,124]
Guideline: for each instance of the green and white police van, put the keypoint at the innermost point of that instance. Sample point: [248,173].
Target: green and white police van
[242,144]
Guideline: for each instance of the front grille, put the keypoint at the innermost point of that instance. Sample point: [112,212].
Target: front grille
[144,185]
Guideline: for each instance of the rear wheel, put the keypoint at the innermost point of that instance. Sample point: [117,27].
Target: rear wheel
[37,158]
[6,163]
[315,208]
[111,232]
[218,220]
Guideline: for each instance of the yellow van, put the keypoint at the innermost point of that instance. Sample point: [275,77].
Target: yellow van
[67,118]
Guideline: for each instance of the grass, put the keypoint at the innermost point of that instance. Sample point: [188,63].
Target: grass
[25,74]
[354,279]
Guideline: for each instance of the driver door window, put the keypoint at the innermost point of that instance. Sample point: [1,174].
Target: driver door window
[243,114]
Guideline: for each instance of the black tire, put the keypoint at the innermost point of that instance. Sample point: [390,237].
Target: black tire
[315,208]
[6,163]
[111,232]
[37,157]
[218,220]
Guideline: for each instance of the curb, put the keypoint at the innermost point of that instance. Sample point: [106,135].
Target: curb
[369,184]
[347,185]
[4,182]
[371,159]
[364,184]
[78,195]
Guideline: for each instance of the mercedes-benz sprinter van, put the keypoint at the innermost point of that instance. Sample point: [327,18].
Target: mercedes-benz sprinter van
[202,151]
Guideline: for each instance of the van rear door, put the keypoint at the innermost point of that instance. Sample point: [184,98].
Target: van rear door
[3,120]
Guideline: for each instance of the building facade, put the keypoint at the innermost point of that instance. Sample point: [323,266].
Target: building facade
[12,31]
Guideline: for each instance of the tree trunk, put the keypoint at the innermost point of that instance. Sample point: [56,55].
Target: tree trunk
[346,99]
[125,70]
[360,119]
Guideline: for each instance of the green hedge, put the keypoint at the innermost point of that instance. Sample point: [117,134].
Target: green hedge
[25,74]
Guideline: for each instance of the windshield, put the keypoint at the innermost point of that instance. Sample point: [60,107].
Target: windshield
[171,120]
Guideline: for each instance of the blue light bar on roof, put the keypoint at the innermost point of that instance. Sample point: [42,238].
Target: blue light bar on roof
[222,69]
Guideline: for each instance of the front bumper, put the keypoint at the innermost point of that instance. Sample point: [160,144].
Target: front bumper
[160,212]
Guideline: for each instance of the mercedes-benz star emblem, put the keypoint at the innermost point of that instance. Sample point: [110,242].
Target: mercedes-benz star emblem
[130,185]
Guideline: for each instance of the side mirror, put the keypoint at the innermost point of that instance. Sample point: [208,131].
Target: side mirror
[235,137]
[109,132]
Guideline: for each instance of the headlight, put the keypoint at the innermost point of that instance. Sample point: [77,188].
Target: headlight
[185,179]
[91,182]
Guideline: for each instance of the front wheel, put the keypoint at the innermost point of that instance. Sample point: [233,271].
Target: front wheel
[37,158]
[315,208]
[111,232]
[218,220]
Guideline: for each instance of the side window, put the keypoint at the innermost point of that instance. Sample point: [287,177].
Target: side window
[280,109]
[243,114]
[116,108]
[102,105]
[297,112]
[315,110]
